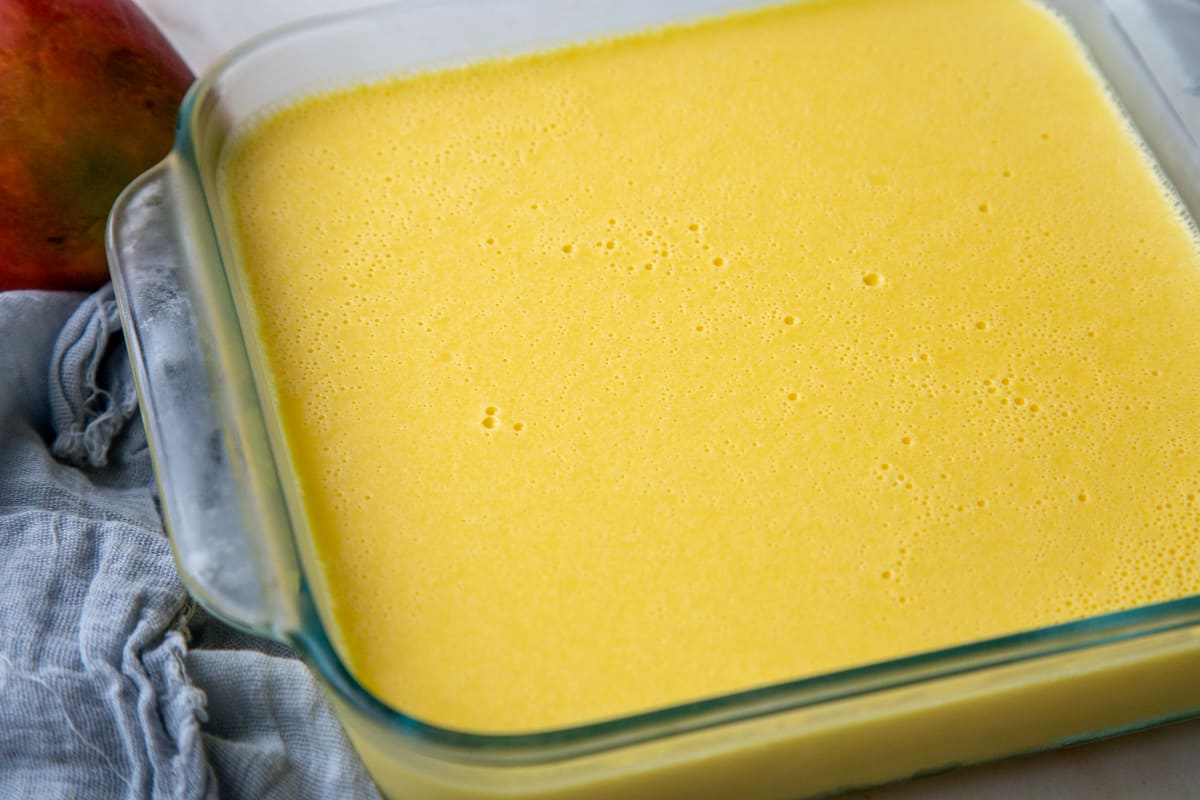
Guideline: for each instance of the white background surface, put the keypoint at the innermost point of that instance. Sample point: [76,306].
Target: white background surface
[1163,763]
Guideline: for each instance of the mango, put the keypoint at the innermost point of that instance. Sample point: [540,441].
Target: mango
[89,93]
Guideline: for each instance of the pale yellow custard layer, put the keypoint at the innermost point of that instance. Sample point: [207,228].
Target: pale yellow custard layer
[664,367]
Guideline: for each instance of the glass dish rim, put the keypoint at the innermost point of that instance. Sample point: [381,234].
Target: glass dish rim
[548,746]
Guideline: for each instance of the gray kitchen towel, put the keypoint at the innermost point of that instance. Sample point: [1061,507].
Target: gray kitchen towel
[111,685]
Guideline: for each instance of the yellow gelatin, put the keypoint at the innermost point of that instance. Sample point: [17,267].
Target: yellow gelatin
[659,368]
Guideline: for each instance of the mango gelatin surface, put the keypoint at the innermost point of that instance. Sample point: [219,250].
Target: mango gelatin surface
[668,366]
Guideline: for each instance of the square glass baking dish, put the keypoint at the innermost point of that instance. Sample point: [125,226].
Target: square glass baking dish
[240,541]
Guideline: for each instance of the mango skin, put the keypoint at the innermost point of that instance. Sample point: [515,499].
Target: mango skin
[89,93]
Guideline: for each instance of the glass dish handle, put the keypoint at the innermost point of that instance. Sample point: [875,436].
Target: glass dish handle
[200,458]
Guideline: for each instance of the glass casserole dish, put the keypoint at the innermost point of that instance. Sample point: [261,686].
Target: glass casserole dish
[234,524]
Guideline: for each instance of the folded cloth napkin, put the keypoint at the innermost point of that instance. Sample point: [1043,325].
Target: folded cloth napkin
[112,685]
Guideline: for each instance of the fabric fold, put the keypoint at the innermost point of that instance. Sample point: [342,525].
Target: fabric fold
[87,587]
[97,695]
[91,398]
